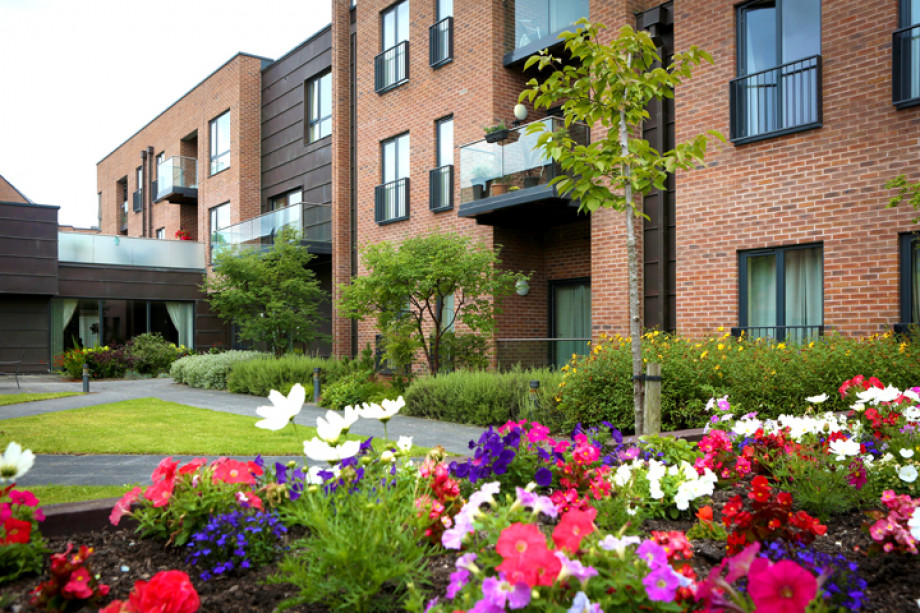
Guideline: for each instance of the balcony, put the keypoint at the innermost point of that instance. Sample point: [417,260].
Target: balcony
[109,250]
[776,101]
[138,200]
[391,68]
[537,25]
[507,182]
[441,42]
[177,180]
[391,201]
[314,221]
[906,67]
[441,188]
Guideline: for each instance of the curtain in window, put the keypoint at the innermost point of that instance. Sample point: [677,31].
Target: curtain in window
[61,313]
[181,315]
[915,281]
[447,313]
[761,294]
[804,291]
[572,310]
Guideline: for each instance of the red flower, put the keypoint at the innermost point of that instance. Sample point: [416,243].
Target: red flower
[23,498]
[169,591]
[17,531]
[784,587]
[232,471]
[704,514]
[519,539]
[249,500]
[574,526]
[78,585]
[192,466]
[539,567]
[124,505]
[161,492]
[165,470]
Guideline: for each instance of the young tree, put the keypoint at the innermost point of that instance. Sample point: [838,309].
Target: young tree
[610,85]
[906,191]
[273,296]
[408,286]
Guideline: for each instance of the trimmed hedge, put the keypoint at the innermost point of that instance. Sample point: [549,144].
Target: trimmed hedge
[480,397]
[761,375]
[258,377]
[210,371]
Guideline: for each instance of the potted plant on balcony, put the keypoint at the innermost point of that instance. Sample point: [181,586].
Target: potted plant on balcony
[182,235]
[500,186]
[496,132]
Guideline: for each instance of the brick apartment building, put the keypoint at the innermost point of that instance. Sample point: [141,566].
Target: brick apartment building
[373,130]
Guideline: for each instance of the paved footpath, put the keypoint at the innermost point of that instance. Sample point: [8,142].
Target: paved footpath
[128,469]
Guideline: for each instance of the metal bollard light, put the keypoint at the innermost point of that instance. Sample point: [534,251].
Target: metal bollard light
[534,386]
[85,378]
[316,385]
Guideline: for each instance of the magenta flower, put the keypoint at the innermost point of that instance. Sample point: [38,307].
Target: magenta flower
[661,584]
[574,568]
[458,579]
[784,587]
[653,554]
[499,591]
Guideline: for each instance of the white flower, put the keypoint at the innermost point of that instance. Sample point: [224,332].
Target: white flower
[912,395]
[383,411]
[612,543]
[15,462]
[906,453]
[283,410]
[334,425]
[914,524]
[816,399]
[746,427]
[404,443]
[874,395]
[908,474]
[843,449]
[911,413]
[622,475]
[321,451]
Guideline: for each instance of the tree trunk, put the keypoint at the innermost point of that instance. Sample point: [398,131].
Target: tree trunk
[632,256]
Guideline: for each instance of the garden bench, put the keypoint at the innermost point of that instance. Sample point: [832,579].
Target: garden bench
[10,365]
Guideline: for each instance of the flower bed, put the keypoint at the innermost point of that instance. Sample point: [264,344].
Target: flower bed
[773,514]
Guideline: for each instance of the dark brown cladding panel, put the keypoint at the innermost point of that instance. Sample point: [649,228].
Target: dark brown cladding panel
[28,248]
[288,161]
[128,283]
[24,324]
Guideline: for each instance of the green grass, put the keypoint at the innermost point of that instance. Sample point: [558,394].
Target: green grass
[6,399]
[157,427]
[56,494]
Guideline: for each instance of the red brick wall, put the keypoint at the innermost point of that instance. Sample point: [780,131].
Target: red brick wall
[235,86]
[823,185]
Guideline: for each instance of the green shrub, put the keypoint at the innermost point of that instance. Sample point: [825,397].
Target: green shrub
[763,376]
[259,377]
[354,388]
[153,354]
[209,371]
[482,397]
[103,362]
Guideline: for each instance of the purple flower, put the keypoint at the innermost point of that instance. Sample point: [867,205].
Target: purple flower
[453,537]
[498,591]
[543,477]
[653,554]
[661,584]
[574,568]
[458,579]
[581,604]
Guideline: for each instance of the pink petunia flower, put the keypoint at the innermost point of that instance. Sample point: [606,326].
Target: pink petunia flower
[124,505]
[784,587]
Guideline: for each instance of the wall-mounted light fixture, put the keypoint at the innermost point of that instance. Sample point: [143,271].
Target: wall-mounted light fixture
[522,287]
[520,113]
[117,241]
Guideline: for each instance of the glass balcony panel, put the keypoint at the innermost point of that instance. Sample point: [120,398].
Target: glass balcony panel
[536,20]
[177,175]
[313,220]
[128,251]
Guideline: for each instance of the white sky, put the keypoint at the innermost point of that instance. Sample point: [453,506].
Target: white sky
[78,77]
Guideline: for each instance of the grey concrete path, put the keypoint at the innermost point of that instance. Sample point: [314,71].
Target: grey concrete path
[119,470]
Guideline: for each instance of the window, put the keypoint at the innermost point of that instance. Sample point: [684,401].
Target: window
[295,196]
[441,178]
[161,233]
[220,143]
[535,20]
[219,217]
[441,34]
[782,292]
[391,67]
[906,56]
[910,278]
[391,199]
[779,69]
[570,318]
[319,107]
[139,192]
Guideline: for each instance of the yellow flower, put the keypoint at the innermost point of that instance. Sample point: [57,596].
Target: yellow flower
[574,370]
[720,347]
[781,346]
[740,348]
[720,328]
[902,347]
[704,354]
[566,367]
[811,344]
[717,367]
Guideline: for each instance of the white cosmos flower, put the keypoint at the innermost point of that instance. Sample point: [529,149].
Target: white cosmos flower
[321,451]
[15,462]
[874,395]
[404,443]
[908,474]
[816,399]
[906,453]
[383,411]
[283,410]
[331,427]
[843,449]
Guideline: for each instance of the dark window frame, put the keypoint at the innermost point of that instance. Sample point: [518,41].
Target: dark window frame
[216,155]
[901,78]
[779,253]
[443,171]
[907,277]
[399,184]
[397,54]
[312,85]
[211,230]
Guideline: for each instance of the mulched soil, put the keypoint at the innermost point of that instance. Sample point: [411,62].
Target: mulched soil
[893,580]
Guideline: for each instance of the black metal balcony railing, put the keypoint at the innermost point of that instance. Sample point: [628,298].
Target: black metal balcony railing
[441,42]
[777,101]
[538,352]
[391,201]
[138,200]
[787,334]
[391,68]
[441,188]
[905,63]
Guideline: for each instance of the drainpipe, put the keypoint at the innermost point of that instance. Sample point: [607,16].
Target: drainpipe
[143,193]
[148,190]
